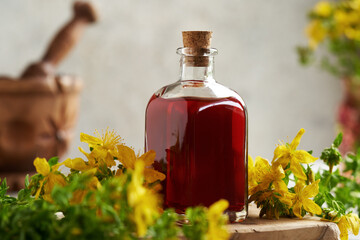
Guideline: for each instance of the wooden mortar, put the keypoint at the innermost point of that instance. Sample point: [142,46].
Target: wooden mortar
[38,111]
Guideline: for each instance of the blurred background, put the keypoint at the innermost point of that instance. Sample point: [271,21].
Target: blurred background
[130,53]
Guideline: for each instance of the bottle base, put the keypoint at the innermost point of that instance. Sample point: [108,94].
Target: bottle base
[237,216]
[234,217]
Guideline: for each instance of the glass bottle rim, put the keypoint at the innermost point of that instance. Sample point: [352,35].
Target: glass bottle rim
[205,52]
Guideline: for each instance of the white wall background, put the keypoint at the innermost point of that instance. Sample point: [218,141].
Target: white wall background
[130,53]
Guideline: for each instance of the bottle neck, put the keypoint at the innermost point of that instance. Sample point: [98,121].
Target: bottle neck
[197,68]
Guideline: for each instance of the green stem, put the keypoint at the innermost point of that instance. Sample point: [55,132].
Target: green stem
[328,178]
[331,168]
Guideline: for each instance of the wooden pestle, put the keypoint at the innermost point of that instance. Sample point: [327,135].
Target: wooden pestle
[63,42]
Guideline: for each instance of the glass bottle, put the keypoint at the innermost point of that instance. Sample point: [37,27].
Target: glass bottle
[198,129]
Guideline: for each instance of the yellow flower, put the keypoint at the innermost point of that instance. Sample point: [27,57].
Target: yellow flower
[269,194]
[262,168]
[266,175]
[128,158]
[348,222]
[217,229]
[347,23]
[341,17]
[316,33]
[79,164]
[93,184]
[355,4]
[301,198]
[251,173]
[103,146]
[51,178]
[287,153]
[269,201]
[352,33]
[323,9]
[143,201]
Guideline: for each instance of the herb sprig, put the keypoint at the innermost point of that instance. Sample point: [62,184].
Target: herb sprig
[96,201]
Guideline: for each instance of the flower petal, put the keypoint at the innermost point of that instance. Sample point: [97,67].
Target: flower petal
[278,172]
[311,190]
[152,175]
[77,164]
[295,142]
[299,187]
[354,222]
[148,157]
[54,178]
[78,196]
[262,169]
[218,208]
[85,153]
[92,141]
[280,186]
[250,162]
[297,209]
[297,170]
[99,152]
[38,191]
[251,173]
[42,166]
[280,151]
[126,156]
[47,197]
[286,198]
[109,160]
[310,206]
[90,158]
[56,167]
[343,227]
[303,156]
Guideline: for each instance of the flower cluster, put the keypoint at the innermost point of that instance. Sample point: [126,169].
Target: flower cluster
[112,187]
[336,24]
[334,20]
[268,183]
[105,149]
[287,188]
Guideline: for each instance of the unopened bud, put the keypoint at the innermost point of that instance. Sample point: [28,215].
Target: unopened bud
[310,176]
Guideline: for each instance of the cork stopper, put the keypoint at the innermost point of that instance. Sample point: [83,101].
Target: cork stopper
[197,39]
[197,42]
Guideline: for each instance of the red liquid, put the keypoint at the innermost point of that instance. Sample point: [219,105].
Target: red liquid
[200,146]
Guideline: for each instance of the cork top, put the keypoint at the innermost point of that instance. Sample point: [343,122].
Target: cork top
[197,39]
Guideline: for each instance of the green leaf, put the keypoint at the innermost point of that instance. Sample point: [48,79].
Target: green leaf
[53,161]
[3,188]
[286,179]
[197,226]
[27,182]
[355,194]
[305,55]
[338,140]
[24,195]
[165,227]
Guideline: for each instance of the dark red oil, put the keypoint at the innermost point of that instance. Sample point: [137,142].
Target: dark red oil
[200,146]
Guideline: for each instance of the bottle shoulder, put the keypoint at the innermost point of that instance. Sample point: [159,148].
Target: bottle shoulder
[197,89]
[212,94]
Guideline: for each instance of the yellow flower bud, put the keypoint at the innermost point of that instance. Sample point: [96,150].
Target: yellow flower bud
[323,9]
[310,176]
[316,33]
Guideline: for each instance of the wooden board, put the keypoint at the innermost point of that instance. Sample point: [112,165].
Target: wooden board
[308,228]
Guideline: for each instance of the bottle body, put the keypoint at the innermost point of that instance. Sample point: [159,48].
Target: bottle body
[198,129]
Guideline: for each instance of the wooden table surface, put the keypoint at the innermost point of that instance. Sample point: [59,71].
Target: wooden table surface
[308,228]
